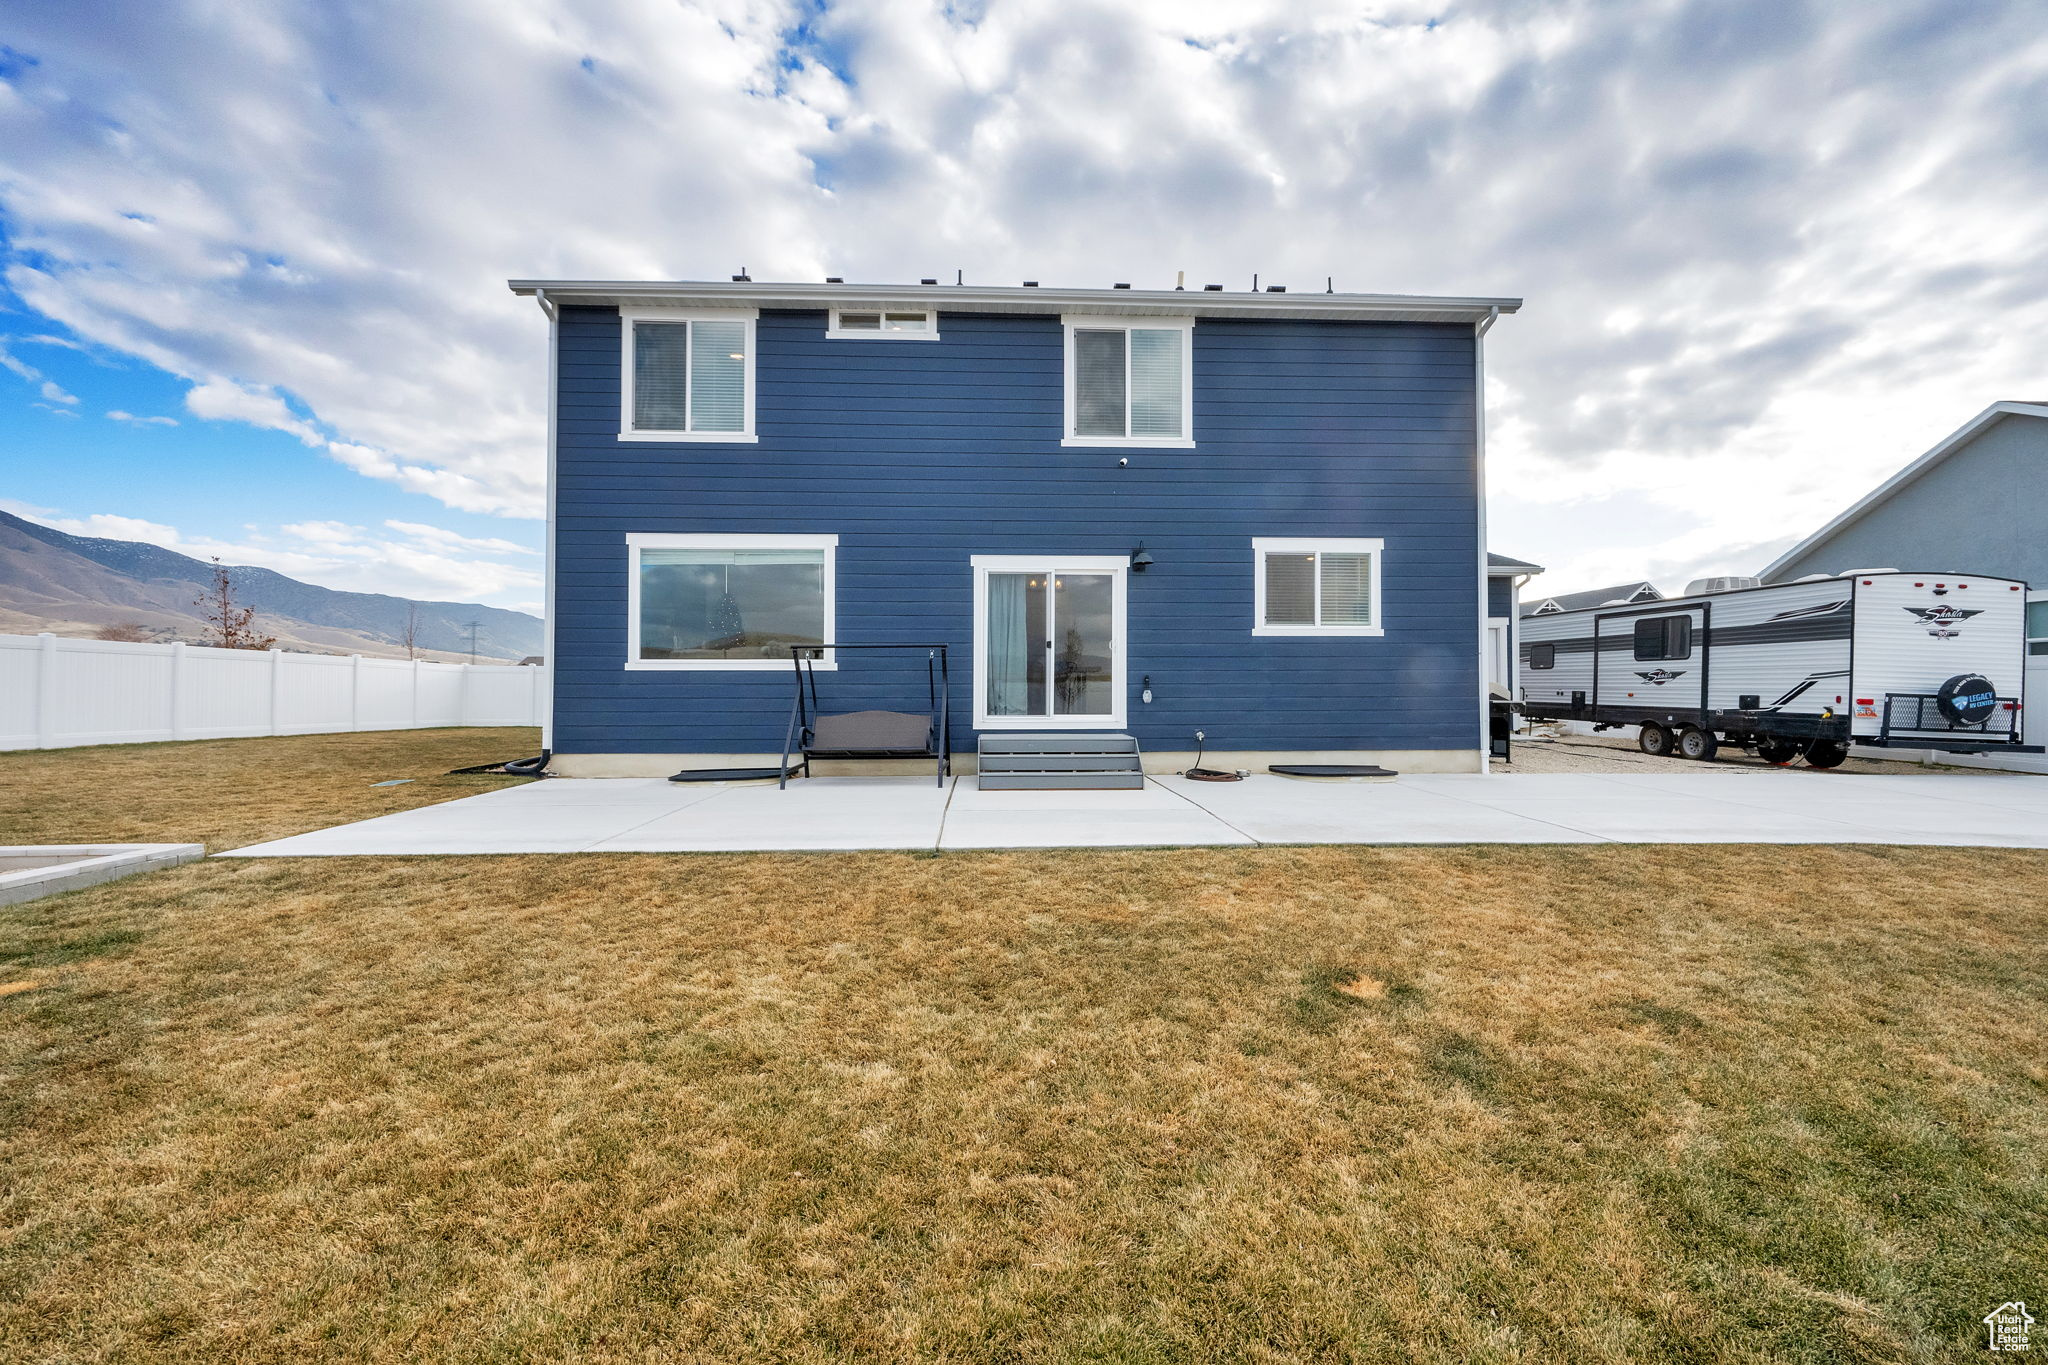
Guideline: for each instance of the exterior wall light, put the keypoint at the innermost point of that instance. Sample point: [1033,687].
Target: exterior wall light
[1140,561]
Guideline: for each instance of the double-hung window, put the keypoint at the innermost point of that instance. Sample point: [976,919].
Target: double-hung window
[727,601]
[686,375]
[2037,626]
[1316,587]
[1130,381]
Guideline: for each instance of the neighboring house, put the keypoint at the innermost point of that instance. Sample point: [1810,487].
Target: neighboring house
[1593,597]
[1976,503]
[1504,579]
[1258,515]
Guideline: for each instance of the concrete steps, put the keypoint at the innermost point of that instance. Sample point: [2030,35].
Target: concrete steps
[1094,761]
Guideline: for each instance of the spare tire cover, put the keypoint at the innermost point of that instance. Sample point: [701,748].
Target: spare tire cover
[1967,699]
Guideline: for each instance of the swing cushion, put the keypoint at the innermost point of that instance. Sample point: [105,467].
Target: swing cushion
[872,733]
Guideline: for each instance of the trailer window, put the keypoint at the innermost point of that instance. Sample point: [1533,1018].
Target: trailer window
[1543,656]
[1664,637]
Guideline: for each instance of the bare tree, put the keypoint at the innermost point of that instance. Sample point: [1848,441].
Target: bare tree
[412,631]
[128,632]
[233,626]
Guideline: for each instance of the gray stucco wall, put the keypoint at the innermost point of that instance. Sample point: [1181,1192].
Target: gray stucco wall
[1983,510]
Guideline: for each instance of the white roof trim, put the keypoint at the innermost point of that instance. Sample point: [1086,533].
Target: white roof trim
[1948,446]
[1181,303]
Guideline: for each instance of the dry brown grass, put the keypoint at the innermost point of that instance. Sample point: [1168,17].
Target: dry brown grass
[1565,1104]
[228,793]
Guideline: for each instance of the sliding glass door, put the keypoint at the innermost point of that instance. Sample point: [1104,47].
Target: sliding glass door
[1049,642]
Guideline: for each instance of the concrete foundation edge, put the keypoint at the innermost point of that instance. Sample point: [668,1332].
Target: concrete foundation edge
[662,765]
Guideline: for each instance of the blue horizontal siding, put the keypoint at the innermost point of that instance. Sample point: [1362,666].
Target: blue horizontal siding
[919,455]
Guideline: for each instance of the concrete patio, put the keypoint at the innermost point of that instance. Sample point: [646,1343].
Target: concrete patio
[655,816]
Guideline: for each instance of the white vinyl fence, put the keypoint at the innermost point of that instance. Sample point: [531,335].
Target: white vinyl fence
[56,693]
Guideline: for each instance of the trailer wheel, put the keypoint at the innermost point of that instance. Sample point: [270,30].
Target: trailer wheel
[1654,740]
[1826,753]
[1778,751]
[1698,744]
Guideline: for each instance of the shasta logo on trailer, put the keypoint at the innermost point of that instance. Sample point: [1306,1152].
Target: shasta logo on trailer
[1659,676]
[1941,620]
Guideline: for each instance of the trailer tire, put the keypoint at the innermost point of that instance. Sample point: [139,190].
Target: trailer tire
[1697,744]
[1778,751]
[1654,740]
[1827,753]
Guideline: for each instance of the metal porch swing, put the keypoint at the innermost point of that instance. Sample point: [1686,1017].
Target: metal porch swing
[868,734]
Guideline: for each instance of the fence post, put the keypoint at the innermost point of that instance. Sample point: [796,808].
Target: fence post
[355,691]
[276,691]
[178,683]
[415,695]
[46,691]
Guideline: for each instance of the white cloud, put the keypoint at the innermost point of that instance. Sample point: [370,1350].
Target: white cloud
[116,415]
[1765,243]
[54,394]
[448,540]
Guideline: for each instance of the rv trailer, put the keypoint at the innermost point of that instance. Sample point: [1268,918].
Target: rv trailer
[1801,669]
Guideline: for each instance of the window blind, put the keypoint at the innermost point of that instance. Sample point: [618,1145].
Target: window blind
[1099,382]
[1347,589]
[1155,381]
[718,376]
[660,371]
[1290,589]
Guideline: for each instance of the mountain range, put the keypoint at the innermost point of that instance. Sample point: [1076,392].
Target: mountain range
[75,585]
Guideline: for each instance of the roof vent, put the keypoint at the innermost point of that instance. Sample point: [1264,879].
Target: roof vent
[1031,284]
[743,278]
[834,279]
[1276,289]
[1706,587]
[1120,286]
[927,281]
[1212,288]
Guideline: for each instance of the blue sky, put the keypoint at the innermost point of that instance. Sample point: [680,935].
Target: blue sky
[1771,249]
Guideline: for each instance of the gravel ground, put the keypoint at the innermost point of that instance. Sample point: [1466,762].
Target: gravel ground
[1618,753]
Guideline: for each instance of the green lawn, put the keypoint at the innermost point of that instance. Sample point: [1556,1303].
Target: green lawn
[1458,1104]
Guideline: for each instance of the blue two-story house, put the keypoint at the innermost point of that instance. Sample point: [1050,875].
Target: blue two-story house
[1143,512]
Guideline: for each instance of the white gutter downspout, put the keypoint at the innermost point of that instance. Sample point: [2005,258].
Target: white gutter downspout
[547,626]
[1479,331]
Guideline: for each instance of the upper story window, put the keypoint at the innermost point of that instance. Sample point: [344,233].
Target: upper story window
[1663,637]
[883,324]
[1316,587]
[1130,381]
[686,375]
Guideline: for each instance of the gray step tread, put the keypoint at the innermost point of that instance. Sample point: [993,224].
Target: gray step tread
[1059,763]
[1067,781]
[1053,744]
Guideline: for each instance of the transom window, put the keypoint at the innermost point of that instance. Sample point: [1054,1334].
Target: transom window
[704,601]
[1317,587]
[855,324]
[1129,381]
[686,376]
[1664,637]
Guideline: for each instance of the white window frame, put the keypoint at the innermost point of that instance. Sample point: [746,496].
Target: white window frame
[630,316]
[636,541]
[833,331]
[1264,545]
[1117,565]
[1112,322]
